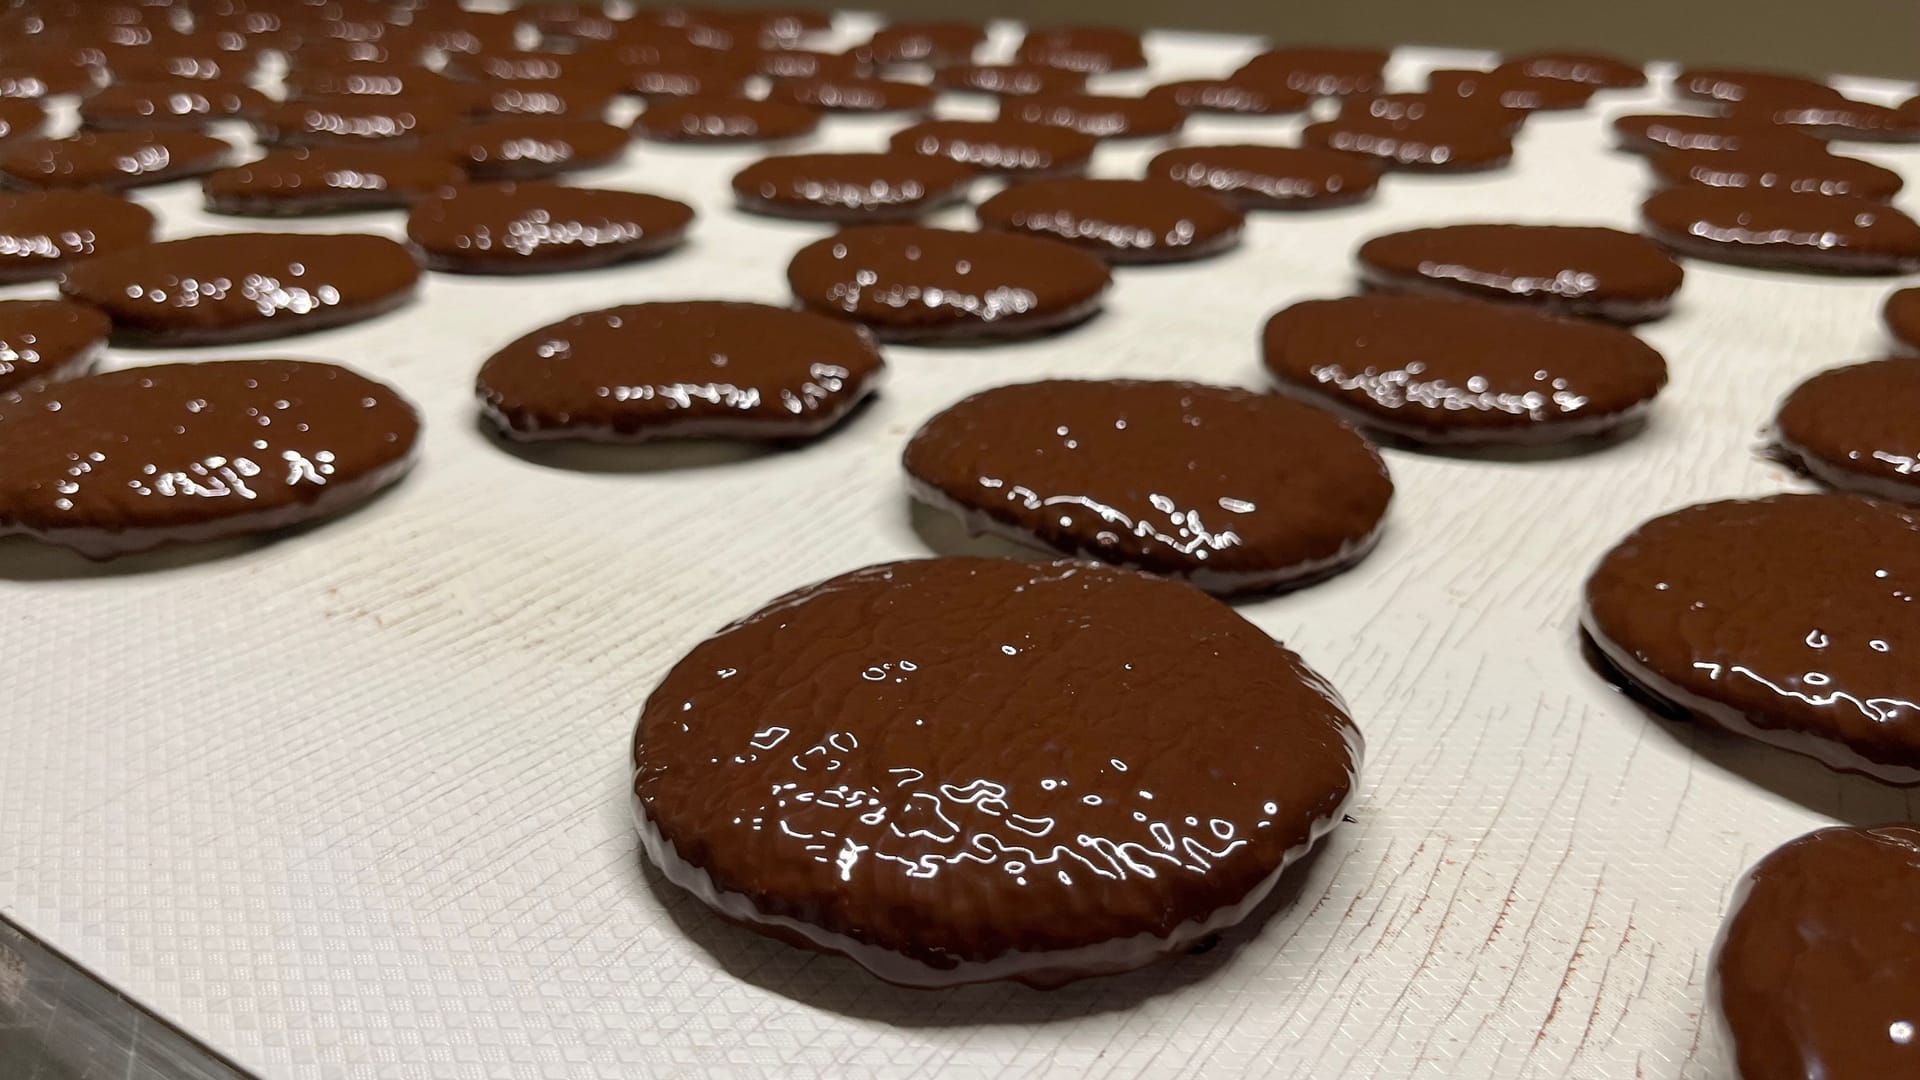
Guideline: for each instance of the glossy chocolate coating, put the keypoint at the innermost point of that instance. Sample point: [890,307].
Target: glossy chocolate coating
[1810,171]
[1007,147]
[985,769]
[1008,80]
[1785,619]
[1736,86]
[853,94]
[851,187]
[125,461]
[546,97]
[375,80]
[1902,316]
[683,78]
[1228,97]
[702,119]
[924,43]
[1085,49]
[1571,269]
[1649,132]
[21,118]
[1230,490]
[33,81]
[1437,142]
[1102,116]
[44,232]
[363,119]
[43,341]
[1597,70]
[1316,71]
[1455,372]
[207,290]
[1510,89]
[1426,107]
[1856,428]
[909,283]
[590,68]
[326,180]
[110,159]
[808,64]
[1122,221]
[534,228]
[1261,177]
[1839,234]
[174,103]
[680,370]
[1814,971]
[525,147]
[1854,121]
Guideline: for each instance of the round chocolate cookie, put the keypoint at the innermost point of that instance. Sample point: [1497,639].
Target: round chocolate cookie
[538,228]
[1735,86]
[112,160]
[1597,70]
[851,187]
[847,770]
[1122,221]
[1027,151]
[43,341]
[530,97]
[175,103]
[1008,80]
[1231,98]
[680,370]
[527,147]
[1510,89]
[936,43]
[1085,49]
[704,119]
[849,94]
[1644,133]
[1102,116]
[1260,177]
[1902,316]
[42,233]
[311,180]
[1438,142]
[1453,372]
[1844,118]
[1571,269]
[909,283]
[1784,230]
[1856,428]
[1784,619]
[1132,472]
[1814,970]
[686,78]
[366,119]
[226,287]
[1810,171]
[1318,72]
[192,452]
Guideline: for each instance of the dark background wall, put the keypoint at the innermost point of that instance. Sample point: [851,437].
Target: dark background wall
[1865,37]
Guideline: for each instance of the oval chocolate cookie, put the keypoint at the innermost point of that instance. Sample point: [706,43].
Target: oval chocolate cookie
[837,771]
[1320,72]
[1856,428]
[1231,98]
[1841,118]
[1785,619]
[1439,142]
[578,99]
[1648,133]
[1453,372]
[1574,269]
[1086,49]
[1000,146]
[1008,80]
[110,159]
[1814,971]
[1902,316]
[1103,116]
[358,119]
[851,94]
[538,228]
[1231,490]
[1122,221]
[936,43]
[1811,171]
[1589,69]
[1510,89]
[525,147]
[208,290]
[1784,230]
[43,341]
[705,119]
[680,370]
[851,187]
[328,179]
[173,103]
[1270,177]
[44,232]
[909,283]
[1733,86]
[128,460]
